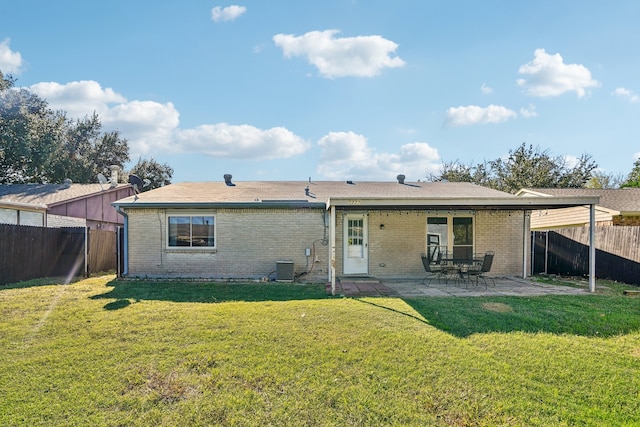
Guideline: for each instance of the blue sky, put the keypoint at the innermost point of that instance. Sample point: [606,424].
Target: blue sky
[339,89]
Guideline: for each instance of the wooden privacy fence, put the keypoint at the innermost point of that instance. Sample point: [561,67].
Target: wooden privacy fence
[34,252]
[566,252]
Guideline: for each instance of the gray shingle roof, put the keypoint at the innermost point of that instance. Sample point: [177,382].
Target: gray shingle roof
[320,191]
[46,195]
[625,200]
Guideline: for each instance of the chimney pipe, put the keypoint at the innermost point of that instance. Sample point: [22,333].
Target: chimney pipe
[227,180]
[400,179]
[114,175]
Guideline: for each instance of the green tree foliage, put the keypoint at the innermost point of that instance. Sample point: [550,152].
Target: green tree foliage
[157,174]
[29,133]
[633,179]
[524,167]
[601,179]
[85,152]
[39,145]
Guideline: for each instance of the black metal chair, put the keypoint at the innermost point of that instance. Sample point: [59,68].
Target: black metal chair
[433,270]
[480,267]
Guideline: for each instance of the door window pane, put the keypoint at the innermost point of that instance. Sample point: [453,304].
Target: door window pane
[437,237]
[459,246]
[355,233]
[462,238]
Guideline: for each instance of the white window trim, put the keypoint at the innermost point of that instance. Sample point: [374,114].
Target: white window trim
[190,213]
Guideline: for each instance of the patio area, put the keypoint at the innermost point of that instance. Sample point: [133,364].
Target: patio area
[504,286]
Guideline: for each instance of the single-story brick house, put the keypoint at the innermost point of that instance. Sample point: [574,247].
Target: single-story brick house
[616,207]
[324,229]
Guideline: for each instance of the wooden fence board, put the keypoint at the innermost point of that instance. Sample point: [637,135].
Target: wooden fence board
[567,252]
[34,252]
[102,251]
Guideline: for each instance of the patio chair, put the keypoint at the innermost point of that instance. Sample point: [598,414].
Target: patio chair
[480,267]
[433,271]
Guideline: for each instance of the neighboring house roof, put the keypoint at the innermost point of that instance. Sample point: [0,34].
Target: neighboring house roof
[626,201]
[340,193]
[43,196]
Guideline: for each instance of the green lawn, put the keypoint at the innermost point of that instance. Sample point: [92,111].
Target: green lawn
[103,352]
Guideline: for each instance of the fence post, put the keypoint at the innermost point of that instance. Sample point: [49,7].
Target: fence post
[546,252]
[86,251]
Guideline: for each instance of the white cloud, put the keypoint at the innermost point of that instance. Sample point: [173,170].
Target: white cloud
[363,56]
[10,61]
[78,99]
[571,160]
[473,114]
[347,155]
[240,142]
[229,13]
[547,75]
[148,125]
[626,93]
[530,111]
[486,89]
[151,126]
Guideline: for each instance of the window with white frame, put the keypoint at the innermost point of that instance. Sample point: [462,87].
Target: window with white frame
[450,236]
[191,231]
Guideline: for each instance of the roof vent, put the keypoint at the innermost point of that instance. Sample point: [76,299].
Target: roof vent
[66,183]
[400,179]
[227,180]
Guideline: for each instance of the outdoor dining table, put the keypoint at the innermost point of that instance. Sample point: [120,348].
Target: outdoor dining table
[455,267]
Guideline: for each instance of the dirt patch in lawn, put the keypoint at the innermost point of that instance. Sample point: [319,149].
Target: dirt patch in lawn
[497,306]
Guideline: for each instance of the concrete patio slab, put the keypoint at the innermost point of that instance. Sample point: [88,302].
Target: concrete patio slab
[504,286]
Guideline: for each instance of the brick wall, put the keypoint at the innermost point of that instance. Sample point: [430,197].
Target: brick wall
[503,233]
[248,244]
[394,251]
[250,241]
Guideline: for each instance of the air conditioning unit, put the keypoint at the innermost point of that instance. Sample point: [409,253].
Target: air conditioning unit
[284,271]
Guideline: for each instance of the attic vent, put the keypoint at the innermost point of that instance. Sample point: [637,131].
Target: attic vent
[227,180]
[400,179]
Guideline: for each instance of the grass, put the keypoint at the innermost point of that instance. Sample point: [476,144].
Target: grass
[104,352]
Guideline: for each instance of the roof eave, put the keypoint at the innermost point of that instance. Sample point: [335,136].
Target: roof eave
[527,203]
[25,206]
[220,205]
[85,196]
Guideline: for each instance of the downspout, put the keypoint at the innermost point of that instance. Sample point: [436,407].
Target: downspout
[592,248]
[332,244]
[125,270]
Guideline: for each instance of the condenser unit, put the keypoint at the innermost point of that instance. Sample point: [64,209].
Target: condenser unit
[284,271]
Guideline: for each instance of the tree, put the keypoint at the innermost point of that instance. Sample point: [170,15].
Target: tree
[601,179]
[458,172]
[85,152]
[525,166]
[40,145]
[29,133]
[633,179]
[158,174]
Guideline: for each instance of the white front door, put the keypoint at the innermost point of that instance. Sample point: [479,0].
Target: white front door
[356,244]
